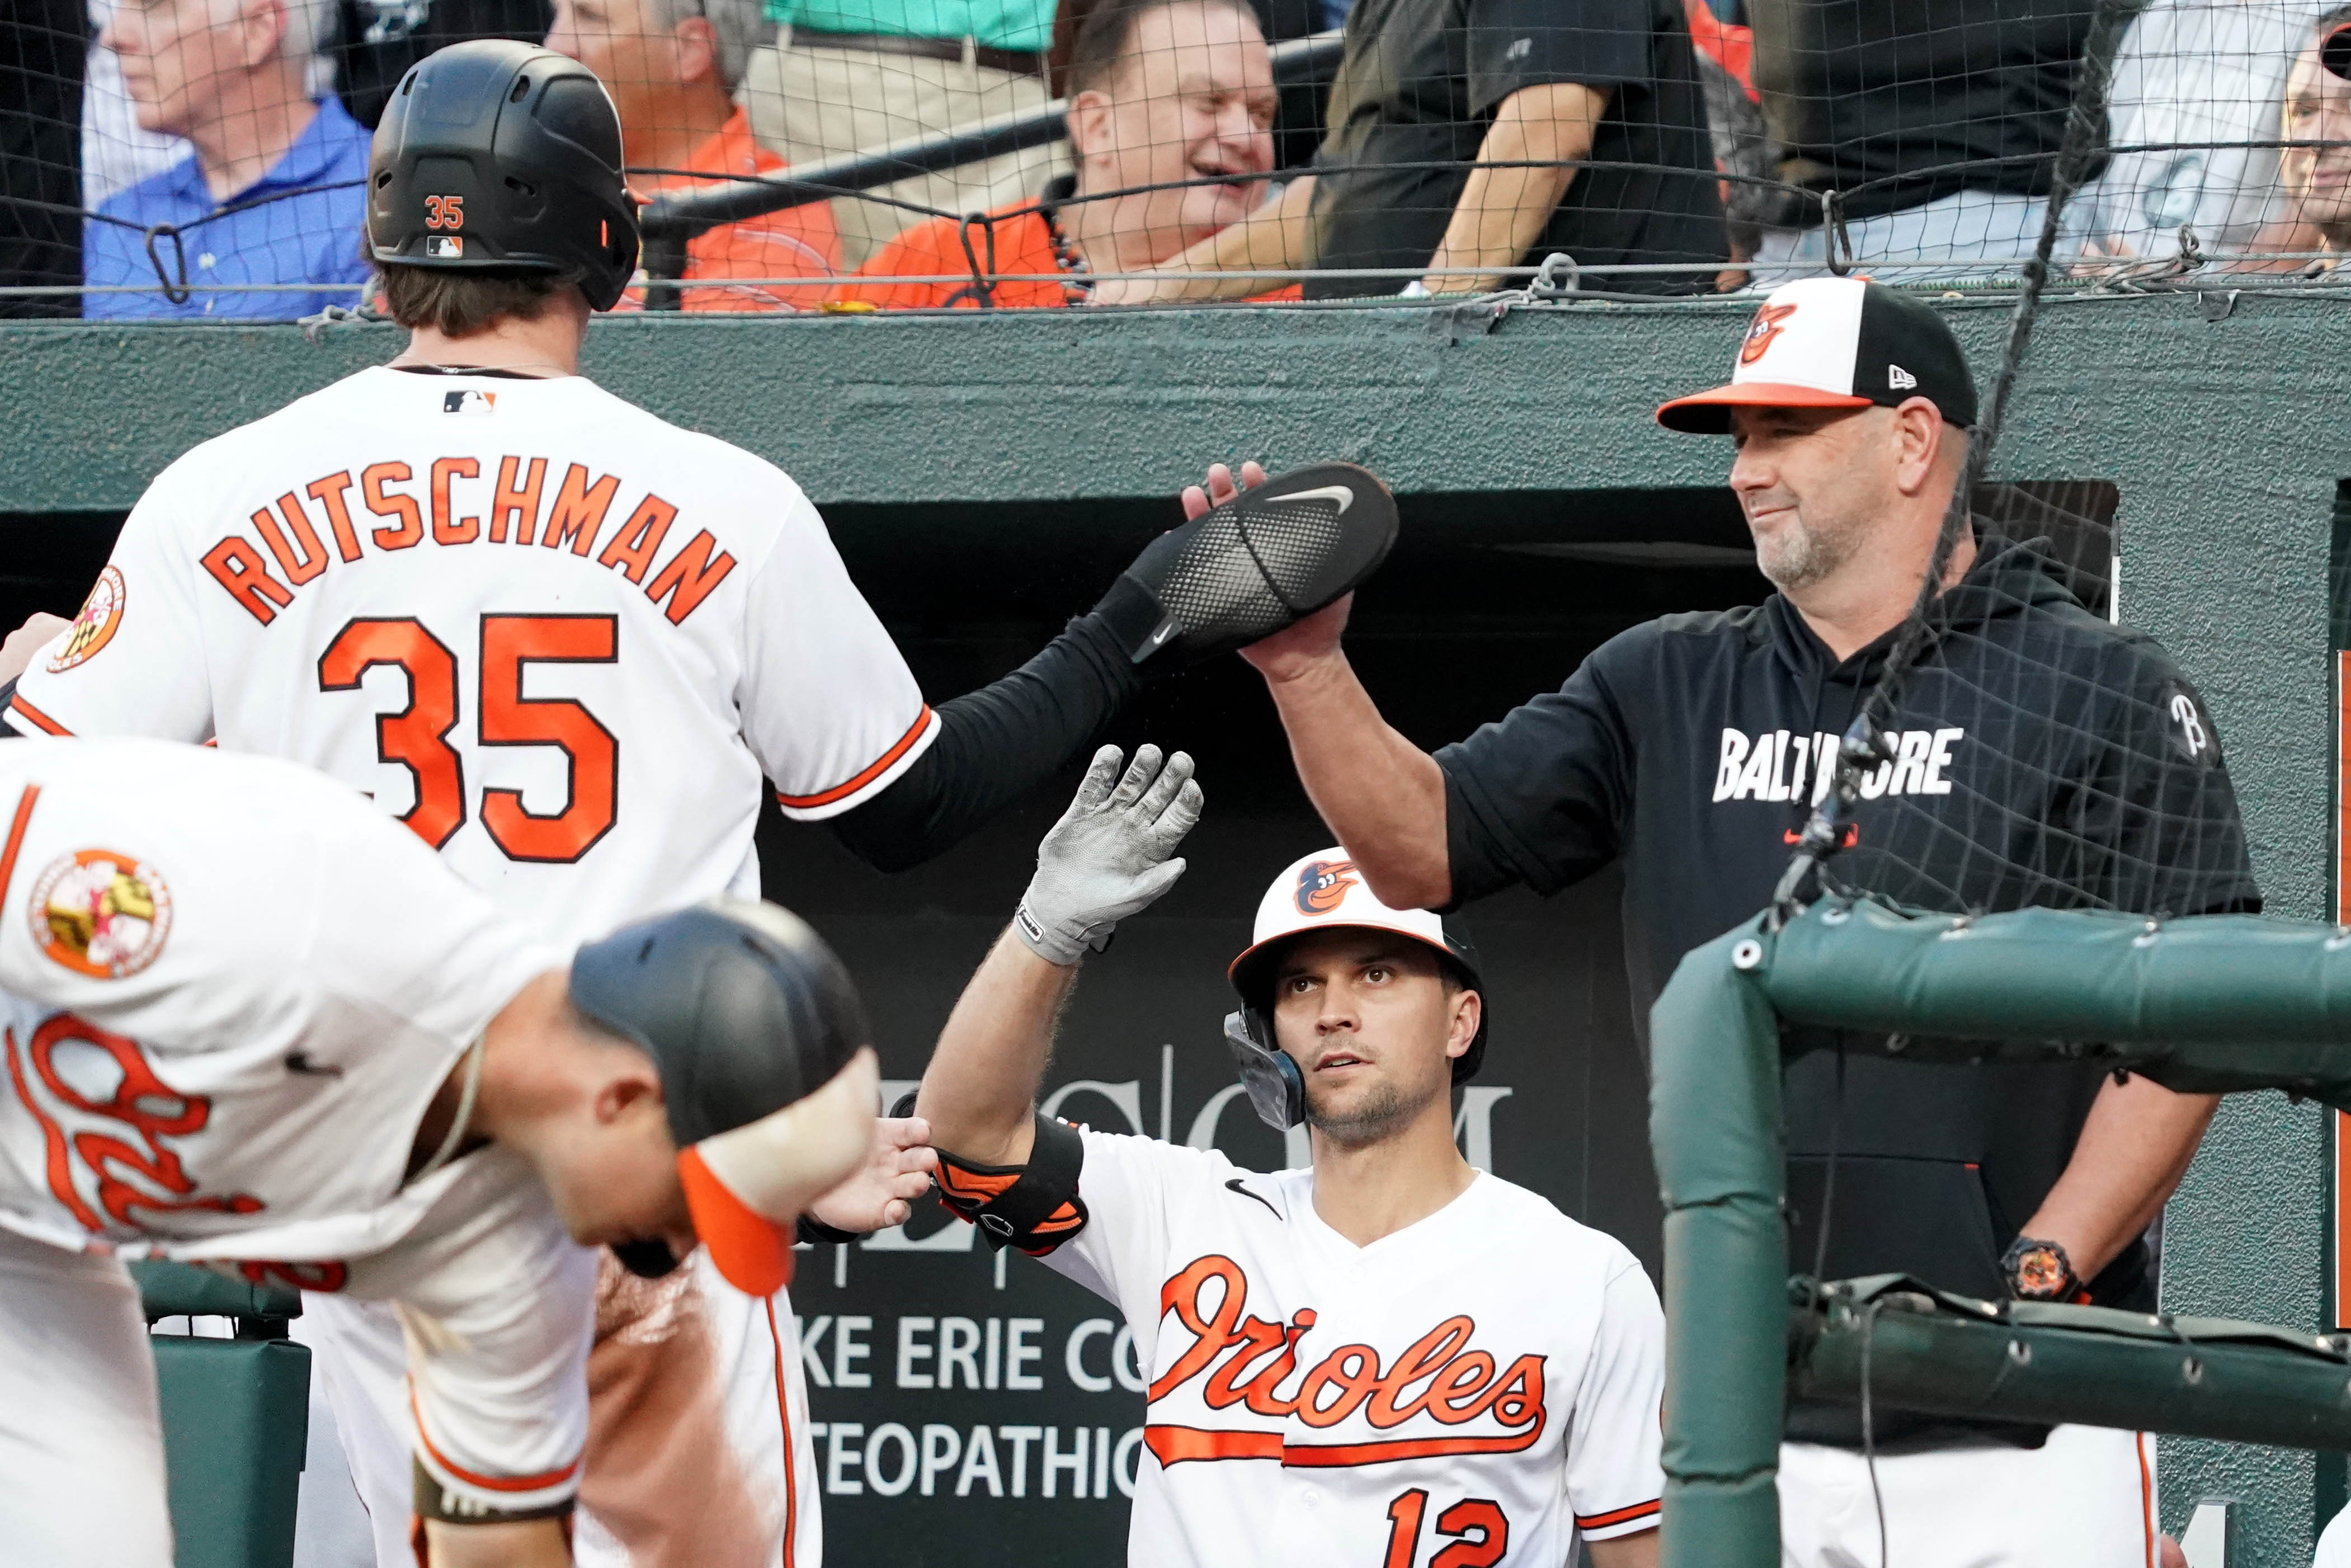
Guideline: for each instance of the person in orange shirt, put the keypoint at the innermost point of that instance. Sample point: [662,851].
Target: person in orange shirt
[1176,94]
[672,66]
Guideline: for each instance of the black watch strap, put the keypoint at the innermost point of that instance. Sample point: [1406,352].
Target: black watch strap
[2038,1271]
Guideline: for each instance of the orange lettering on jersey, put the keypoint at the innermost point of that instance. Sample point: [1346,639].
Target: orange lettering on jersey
[140,1102]
[521,503]
[392,503]
[235,567]
[690,576]
[636,541]
[462,530]
[578,511]
[299,566]
[329,493]
[1456,1384]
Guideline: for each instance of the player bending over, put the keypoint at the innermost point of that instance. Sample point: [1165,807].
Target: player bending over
[1387,1356]
[251,1022]
[568,643]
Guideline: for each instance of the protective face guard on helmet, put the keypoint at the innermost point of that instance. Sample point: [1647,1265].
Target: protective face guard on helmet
[1276,1090]
[1263,561]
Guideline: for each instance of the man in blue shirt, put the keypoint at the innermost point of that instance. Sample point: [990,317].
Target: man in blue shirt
[233,77]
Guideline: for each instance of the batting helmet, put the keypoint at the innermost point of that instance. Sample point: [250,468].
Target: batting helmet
[752,1021]
[1323,891]
[493,154]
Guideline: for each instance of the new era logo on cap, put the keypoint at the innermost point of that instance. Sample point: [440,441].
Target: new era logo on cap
[1836,343]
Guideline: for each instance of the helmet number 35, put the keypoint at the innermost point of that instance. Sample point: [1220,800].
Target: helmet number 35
[444,212]
[417,736]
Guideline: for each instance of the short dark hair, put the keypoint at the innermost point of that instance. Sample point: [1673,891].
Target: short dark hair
[465,304]
[1108,32]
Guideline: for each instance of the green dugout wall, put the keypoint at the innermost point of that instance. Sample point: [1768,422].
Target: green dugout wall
[982,474]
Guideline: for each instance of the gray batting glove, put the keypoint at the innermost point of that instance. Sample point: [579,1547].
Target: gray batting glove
[1107,857]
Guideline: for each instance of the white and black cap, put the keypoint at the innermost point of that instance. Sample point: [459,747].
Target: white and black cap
[1837,343]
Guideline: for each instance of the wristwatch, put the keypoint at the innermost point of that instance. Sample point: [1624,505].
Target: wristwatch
[2037,1270]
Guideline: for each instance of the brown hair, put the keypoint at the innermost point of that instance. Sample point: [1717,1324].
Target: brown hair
[1105,35]
[466,304]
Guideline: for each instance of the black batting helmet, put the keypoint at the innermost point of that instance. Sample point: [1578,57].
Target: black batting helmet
[756,1029]
[498,155]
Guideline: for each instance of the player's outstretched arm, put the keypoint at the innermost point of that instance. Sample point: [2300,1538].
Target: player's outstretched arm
[1111,855]
[1382,796]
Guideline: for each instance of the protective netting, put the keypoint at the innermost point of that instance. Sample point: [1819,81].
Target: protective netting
[203,157]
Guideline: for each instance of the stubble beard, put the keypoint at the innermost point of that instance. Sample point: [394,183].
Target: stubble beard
[1379,1115]
[1800,553]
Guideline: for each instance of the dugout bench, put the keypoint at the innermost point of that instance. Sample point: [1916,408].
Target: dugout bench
[236,1417]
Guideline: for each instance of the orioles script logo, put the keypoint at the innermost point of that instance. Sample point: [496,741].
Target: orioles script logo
[1322,884]
[1249,1360]
[1765,327]
[105,1117]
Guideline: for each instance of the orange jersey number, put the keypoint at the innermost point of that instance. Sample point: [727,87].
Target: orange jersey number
[417,736]
[1472,1517]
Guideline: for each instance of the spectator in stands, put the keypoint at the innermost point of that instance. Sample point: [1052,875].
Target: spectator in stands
[672,66]
[1937,121]
[1428,90]
[233,77]
[2318,179]
[849,75]
[1172,94]
[2197,86]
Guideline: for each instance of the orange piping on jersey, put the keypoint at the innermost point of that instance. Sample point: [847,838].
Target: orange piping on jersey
[25,803]
[488,1483]
[784,1417]
[881,765]
[1174,1445]
[1648,1509]
[17,705]
[2146,1498]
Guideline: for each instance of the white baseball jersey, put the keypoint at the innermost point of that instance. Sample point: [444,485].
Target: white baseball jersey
[1472,1390]
[228,989]
[561,640]
[548,630]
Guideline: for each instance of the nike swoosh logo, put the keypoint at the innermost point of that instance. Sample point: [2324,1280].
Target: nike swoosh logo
[1166,630]
[1339,493]
[1235,1186]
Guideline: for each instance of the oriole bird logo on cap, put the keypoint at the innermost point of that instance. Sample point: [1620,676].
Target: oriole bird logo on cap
[1762,331]
[1322,885]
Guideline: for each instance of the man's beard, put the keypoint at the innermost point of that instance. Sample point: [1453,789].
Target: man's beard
[1798,554]
[1376,1116]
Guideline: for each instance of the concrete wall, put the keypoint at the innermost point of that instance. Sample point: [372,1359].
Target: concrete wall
[2225,437]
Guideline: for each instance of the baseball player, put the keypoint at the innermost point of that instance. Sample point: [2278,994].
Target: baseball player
[2040,755]
[249,1022]
[1386,1358]
[564,641]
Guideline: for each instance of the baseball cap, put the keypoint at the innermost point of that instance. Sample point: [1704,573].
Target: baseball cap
[1323,891]
[760,1037]
[1837,343]
[2335,50]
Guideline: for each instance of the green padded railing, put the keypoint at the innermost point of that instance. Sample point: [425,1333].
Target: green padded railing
[2217,1004]
[236,1417]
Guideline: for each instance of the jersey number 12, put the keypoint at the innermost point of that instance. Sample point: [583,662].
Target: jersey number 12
[1475,1516]
[417,736]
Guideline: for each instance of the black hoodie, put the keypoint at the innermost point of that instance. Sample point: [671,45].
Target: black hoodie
[2044,757]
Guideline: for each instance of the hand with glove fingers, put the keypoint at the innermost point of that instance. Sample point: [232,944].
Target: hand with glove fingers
[1109,856]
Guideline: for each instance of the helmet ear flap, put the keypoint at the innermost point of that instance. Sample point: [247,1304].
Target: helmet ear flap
[1276,1090]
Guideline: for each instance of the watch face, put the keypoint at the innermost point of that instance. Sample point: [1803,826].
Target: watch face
[2042,1274]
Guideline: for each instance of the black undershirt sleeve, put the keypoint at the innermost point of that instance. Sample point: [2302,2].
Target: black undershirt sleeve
[997,744]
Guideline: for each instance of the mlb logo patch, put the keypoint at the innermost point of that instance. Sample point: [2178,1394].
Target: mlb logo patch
[448,248]
[469,403]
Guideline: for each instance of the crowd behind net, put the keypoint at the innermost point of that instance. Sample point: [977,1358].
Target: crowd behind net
[206,158]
